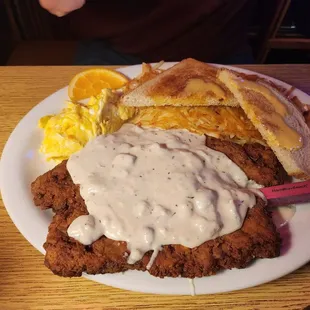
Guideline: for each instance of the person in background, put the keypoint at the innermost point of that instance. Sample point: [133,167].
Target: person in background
[132,31]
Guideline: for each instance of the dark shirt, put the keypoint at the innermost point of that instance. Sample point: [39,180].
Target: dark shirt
[166,29]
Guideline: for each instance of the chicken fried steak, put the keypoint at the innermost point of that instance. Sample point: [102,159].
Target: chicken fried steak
[257,161]
[257,238]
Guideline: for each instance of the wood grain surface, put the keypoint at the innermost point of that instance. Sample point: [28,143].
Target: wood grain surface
[25,283]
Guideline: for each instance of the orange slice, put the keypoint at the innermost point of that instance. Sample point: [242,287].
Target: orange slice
[90,82]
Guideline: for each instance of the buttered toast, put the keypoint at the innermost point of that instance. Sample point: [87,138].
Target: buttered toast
[277,119]
[188,83]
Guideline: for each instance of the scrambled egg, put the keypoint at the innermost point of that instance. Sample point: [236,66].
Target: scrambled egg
[68,132]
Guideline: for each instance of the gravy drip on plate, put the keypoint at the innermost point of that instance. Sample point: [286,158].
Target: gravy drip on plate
[282,215]
[152,187]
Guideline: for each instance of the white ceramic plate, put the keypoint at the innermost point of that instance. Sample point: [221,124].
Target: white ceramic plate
[21,164]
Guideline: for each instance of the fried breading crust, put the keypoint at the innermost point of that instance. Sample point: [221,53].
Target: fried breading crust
[67,257]
[257,161]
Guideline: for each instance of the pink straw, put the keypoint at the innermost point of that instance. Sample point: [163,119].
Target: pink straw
[283,195]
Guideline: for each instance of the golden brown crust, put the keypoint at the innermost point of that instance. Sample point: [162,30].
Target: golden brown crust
[67,257]
[257,161]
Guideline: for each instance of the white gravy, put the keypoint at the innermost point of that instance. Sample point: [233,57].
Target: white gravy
[282,215]
[152,187]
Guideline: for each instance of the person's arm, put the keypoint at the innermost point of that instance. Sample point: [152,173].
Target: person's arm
[61,7]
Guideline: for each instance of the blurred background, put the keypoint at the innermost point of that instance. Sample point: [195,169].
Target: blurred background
[279,32]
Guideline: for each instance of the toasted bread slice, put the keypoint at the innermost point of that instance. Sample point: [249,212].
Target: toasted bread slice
[280,123]
[188,83]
